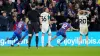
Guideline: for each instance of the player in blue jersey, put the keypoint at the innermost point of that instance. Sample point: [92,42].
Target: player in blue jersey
[62,31]
[21,25]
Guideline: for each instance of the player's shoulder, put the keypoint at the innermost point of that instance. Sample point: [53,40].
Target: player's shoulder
[82,16]
[45,13]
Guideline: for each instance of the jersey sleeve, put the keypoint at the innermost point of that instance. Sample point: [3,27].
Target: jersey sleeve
[26,30]
[70,26]
[41,15]
[25,33]
[25,27]
[87,15]
[49,16]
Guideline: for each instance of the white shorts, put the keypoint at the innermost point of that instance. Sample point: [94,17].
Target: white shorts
[46,30]
[84,30]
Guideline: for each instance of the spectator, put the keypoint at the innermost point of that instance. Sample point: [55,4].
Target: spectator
[9,6]
[67,9]
[53,26]
[4,21]
[46,3]
[71,13]
[19,6]
[1,7]
[40,7]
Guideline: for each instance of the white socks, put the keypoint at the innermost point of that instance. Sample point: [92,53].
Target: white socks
[49,39]
[42,41]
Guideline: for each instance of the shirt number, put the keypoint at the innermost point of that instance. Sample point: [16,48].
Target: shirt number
[44,19]
[64,26]
[82,21]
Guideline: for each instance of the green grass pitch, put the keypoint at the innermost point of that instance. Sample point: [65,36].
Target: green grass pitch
[47,51]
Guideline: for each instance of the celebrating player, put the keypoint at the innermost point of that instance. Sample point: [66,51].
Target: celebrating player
[83,14]
[18,32]
[45,22]
[62,31]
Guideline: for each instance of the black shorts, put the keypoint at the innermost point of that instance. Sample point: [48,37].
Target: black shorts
[33,27]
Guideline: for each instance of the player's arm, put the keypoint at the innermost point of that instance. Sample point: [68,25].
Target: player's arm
[40,19]
[54,21]
[50,22]
[88,12]
[73,29]
[60,23]
[80,11]
[25,33]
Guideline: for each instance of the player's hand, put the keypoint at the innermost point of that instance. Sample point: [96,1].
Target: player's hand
[77,29]
[50,26]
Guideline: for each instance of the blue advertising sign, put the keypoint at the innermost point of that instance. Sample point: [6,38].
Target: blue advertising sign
[71,40]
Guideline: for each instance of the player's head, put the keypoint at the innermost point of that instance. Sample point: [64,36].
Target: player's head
[33,6]
[81,12]
[46,9]
[22,19]
[4,13]
[68,21]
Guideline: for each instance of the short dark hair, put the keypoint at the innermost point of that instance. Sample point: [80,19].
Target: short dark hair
[68,21]
[3,12]
[44,9]
[33,5]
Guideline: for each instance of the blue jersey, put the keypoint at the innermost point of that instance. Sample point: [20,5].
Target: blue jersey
[64,27]
[20,26]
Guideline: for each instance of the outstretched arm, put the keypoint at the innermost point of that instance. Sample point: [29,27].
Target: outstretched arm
[74,29]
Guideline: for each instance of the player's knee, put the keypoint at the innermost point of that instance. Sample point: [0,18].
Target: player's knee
[87,34]
[42,34]
[36,34]
[65,37]
[19,39]
[49,34]
[80,34]
[30,35]
[12,38]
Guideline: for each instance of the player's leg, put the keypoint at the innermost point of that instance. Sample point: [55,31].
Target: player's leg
[29,39]
[87,39]
[12,38]
[19,37]
[81,34]
[26,33]
[43,33]
[80,40]
[36,30]
[57,34]
[30,34]
[37,40]
[53,38]
[49,38]
[64,37]
[86,31]
[42,39]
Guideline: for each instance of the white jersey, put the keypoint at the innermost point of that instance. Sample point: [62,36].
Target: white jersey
[45,22]
[83,20]
[45,18]
[83,24]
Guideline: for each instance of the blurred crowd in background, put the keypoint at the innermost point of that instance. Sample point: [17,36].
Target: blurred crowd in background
[60,10]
